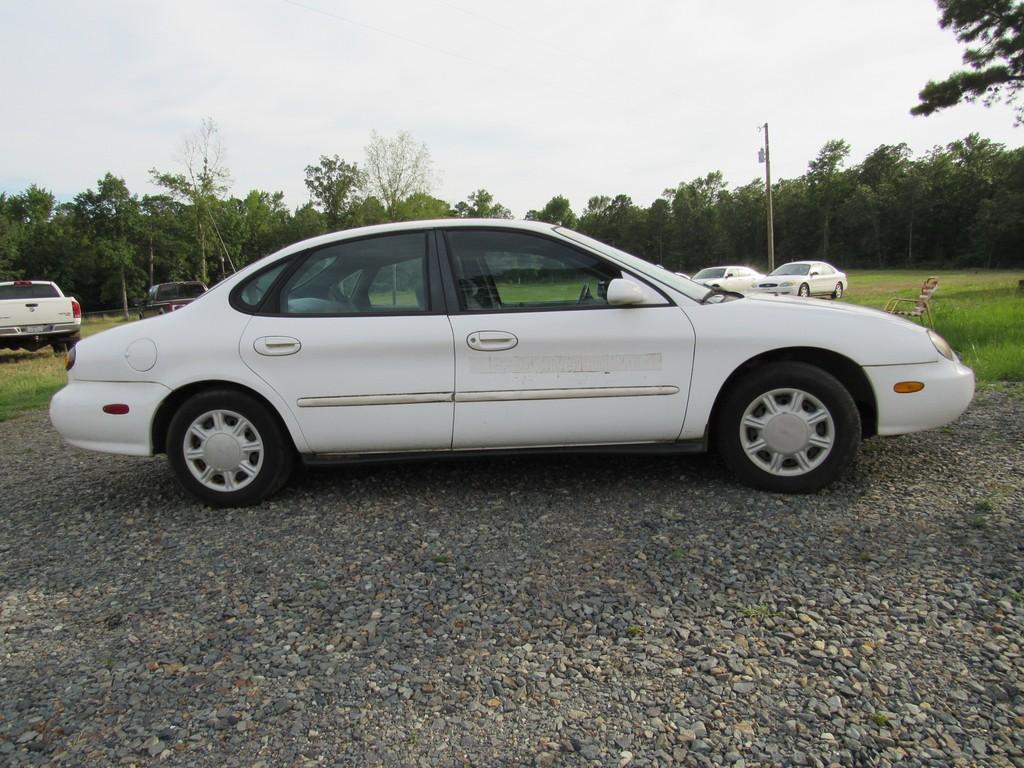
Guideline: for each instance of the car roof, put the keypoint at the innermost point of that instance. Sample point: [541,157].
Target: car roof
[399,226]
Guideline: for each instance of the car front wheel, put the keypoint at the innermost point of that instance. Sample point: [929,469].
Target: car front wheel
[788,427]
[227,449]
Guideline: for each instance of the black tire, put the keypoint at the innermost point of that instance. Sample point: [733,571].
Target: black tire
[838,292]
[62,346]
[273,460]
[804,290]
[841,427]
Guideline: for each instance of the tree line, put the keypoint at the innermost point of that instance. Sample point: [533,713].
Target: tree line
[961,205]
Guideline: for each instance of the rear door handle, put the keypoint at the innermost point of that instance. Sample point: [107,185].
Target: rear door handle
[491,341]
[275,346]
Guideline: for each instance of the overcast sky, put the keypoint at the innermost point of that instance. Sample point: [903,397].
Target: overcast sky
[527,99]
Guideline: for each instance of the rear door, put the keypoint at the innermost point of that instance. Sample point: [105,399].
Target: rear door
[542,359]
[356,340]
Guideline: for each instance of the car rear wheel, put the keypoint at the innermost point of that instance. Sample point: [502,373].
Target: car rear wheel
[788,427]
[805,290]
[227,449]
[838,292]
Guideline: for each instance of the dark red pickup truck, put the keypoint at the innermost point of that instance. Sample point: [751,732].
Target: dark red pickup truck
[167,297]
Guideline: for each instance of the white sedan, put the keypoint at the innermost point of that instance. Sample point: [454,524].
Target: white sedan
[494,336]
[805,278]
[728,278]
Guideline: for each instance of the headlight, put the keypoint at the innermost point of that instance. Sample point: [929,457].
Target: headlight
[942,346]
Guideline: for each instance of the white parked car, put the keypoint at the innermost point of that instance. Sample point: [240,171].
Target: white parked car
[805,278]
[740,279]
[495,336]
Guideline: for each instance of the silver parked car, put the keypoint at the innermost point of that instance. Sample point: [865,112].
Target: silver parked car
[805,278]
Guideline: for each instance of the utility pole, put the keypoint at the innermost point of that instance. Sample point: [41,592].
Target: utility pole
[765,157]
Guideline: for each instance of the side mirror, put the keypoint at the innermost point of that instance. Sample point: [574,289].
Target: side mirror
[729,274]
[814,274]
[624,292]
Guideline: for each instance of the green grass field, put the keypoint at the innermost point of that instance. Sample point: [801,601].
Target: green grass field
[980,313]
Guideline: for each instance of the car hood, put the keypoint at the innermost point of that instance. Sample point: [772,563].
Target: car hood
[867,336]
[795,303]
[824,304]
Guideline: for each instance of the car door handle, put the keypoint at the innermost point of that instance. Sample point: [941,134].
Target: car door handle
[277,345]
[491,341]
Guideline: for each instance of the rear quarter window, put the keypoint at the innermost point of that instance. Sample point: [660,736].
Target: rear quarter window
[248,296]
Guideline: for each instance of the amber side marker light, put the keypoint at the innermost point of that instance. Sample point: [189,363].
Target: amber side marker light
[116,409]
[906,387]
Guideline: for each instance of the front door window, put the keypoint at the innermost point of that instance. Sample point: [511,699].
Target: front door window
[496,271]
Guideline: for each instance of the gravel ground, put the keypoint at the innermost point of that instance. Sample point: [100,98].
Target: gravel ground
[543,611]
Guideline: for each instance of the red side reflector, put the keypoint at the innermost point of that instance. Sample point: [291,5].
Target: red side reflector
[117,409]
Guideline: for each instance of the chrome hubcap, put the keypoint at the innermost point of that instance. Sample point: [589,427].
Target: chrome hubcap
[787,432]
[223,450]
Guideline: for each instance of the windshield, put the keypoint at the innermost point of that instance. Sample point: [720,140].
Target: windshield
[792,269]
[684,285]
[706,274]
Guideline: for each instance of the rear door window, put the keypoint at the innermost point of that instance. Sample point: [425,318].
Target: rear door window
[380,275]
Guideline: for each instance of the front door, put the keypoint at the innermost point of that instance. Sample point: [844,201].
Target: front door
[357,343]
[542,359]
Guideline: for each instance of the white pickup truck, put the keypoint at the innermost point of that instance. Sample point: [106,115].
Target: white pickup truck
[34,314]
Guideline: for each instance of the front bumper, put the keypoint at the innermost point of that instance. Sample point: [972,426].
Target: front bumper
[77,414]
[791,290]
[948,390]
